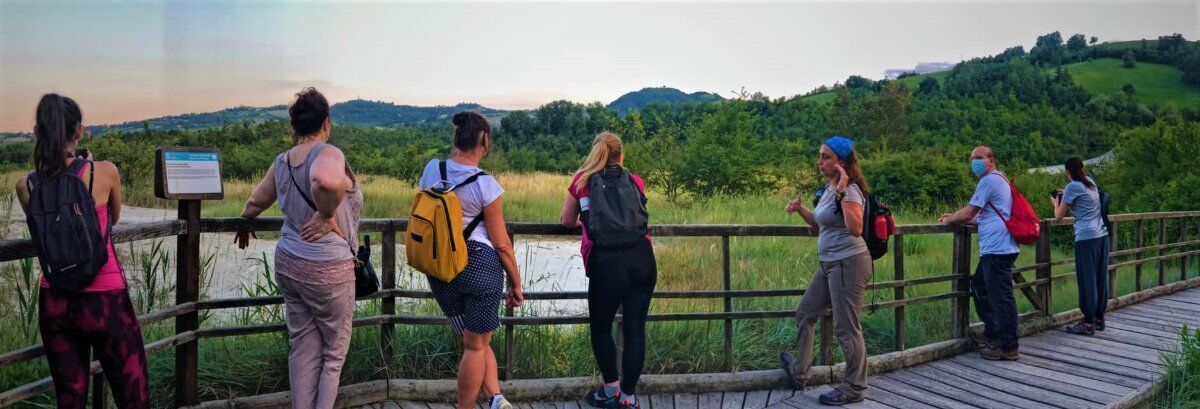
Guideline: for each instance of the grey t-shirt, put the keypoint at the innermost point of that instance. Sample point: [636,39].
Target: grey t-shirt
[833,241]
[1085,206]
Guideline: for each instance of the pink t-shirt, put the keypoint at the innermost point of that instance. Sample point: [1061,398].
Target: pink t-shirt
[109,277]
[585,248]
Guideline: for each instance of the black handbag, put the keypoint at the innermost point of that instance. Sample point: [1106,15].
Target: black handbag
[366,282]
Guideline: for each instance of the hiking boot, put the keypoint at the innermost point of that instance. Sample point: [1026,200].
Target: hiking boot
[601,400]
[1099,325]
[997,354]
[838,398]
[1080,328]
[785,360]
[631,405]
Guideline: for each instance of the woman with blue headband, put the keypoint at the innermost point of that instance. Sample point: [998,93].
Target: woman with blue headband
[842,278]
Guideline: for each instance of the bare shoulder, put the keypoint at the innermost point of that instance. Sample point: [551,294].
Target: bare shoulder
[22,184]
[106,169]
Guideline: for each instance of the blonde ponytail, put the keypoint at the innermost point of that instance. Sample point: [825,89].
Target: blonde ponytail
[606,151]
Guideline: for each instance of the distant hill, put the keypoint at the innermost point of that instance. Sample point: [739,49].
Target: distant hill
[665,95]
[1152,83]
[354,112]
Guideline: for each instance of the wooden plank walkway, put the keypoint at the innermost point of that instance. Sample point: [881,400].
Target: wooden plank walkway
[1056,370]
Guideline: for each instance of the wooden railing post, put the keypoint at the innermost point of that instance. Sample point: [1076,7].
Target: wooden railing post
[1162,262]
[960,305]
[825,351]
[387,305]
[1183,222]
[508,327]
[898,293]
[187,289]
[1139,242]
[727,277]
[1115,242]
[1042,258]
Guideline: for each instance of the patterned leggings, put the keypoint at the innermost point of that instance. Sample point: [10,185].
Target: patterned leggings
[74,325]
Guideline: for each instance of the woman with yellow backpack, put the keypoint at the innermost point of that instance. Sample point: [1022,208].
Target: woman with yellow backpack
[459,208]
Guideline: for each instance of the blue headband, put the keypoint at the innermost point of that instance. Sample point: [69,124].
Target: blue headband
[840,145]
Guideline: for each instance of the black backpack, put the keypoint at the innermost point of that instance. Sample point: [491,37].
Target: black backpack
[65,228]
[616,215]
[1105,201]
[878,225]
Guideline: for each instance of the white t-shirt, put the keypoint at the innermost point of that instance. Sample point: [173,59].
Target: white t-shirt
[473,197]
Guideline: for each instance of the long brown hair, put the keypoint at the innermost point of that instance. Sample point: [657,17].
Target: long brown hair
[854,171]
[57,119]
[606,150]
[1074,167]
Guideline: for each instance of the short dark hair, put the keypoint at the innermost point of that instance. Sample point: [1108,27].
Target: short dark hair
[469,126]
[309,112]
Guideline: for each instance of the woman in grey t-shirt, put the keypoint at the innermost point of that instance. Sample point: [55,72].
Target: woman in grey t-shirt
[1082,197]
[845,269]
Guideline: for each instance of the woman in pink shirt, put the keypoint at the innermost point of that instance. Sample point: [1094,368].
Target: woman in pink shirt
[621,267]
[100,318]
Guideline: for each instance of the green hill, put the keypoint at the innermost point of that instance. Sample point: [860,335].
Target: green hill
[663,95]
[1151,82]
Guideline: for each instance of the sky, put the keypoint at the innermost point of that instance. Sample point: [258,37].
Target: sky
[125,61]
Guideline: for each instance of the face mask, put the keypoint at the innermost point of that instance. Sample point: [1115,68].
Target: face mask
[978,167]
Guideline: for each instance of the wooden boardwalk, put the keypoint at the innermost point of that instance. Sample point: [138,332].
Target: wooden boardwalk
[1056,370]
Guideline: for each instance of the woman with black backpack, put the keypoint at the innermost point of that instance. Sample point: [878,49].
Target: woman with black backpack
[609,204]
[1083,198]
[841,280]
[83,305]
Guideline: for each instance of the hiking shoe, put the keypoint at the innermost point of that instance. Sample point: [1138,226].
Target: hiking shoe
[1099,325]
[997,354]
[1080,328]
[600,400]
[838,398]
[631,405]
[785,360]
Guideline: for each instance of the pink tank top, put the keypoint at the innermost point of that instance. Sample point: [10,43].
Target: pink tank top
[109,277]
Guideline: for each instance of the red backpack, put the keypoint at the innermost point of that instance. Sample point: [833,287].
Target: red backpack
[1024,225]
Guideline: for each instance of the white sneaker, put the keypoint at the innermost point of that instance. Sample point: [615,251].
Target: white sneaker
[498,402]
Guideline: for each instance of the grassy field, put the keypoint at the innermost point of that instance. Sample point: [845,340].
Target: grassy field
[1152,83]
[248,365]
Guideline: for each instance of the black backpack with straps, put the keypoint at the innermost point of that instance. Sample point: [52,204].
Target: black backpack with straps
[65,228]
[615,215]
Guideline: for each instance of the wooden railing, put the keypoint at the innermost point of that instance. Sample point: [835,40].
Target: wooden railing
[188,305]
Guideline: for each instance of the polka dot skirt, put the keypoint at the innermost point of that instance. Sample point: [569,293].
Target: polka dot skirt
[472,300]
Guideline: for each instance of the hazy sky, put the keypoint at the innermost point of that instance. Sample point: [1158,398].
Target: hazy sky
[128,61]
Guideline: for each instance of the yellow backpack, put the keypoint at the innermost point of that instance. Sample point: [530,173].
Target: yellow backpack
[436,241]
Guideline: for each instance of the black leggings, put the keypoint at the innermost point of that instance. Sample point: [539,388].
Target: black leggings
[621,278]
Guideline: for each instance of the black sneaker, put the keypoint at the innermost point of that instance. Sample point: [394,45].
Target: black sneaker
[1080,328]
[600,400]
[838,398]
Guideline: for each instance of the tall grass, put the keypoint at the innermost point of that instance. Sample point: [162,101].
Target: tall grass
[1182,388]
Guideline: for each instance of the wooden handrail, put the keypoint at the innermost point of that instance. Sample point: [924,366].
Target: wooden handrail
[184,340]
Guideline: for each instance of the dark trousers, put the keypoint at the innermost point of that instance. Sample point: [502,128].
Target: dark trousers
[75,325]
[1091,272]
[621,278]
[992,289]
